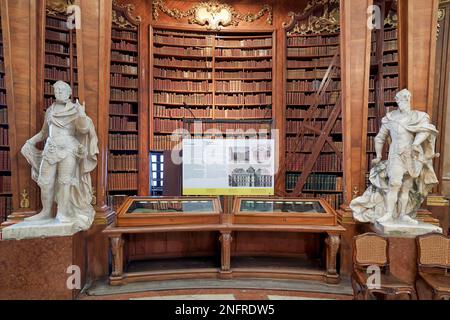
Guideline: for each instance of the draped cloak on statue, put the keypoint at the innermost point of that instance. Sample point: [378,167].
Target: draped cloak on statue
[79,207]
[371,205]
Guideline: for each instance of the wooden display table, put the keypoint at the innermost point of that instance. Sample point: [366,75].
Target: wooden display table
[119,276]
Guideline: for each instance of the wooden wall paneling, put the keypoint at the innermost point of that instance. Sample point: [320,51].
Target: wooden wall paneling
[20,45]
[355,68]
[417,50]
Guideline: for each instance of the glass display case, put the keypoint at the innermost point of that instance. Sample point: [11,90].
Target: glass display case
[151,211]
[283,211]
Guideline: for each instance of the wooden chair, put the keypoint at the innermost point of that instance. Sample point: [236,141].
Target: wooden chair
[433,264]
[371,249]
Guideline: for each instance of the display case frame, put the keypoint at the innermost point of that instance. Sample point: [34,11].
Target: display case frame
[327,218]
[127,219]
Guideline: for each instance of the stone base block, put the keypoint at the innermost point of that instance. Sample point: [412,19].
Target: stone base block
[44,268]
[38,229]
[400,229]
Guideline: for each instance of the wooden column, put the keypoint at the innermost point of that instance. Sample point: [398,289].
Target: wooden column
[417,50]
[355,69]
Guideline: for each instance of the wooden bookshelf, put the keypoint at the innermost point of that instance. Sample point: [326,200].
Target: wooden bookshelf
[308,58]
[208,75]
[60,60]
[124,108]
[5,160]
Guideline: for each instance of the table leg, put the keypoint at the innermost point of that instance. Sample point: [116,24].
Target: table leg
[333,242]
[117,257]
[225,240]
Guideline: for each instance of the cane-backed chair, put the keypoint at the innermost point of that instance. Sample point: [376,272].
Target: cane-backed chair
[433,264]
[370,254]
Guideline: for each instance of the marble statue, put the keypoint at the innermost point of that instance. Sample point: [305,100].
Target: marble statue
[62,170]
[400,184]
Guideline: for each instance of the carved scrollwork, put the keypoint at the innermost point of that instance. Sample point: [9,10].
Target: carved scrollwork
[441,17]
[213,14]
[122,16]
[308,21]
[57,7]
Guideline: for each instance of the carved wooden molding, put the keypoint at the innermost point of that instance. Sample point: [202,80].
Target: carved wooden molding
[57,7]
[122,16]
[308,21]
[213,14]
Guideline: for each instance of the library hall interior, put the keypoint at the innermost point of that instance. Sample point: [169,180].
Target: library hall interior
[224,150]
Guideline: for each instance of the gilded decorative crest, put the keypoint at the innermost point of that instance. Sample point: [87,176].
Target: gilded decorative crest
[309,22]
[391,20]
[213,14]
[122,16]
[57,7]
[24,201]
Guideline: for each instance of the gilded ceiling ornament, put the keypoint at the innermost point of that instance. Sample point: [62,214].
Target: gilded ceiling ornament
[57,7]
[213,14]
[329,21]
[122,16]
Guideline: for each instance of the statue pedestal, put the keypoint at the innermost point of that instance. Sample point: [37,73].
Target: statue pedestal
[38,229]
[406,230]
[42,268]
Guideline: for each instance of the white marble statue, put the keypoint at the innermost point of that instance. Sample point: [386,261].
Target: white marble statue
[62,170]
[400,184]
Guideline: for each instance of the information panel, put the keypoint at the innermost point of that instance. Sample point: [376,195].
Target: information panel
[228,166]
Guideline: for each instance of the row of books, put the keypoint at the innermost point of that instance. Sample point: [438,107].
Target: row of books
[123,57]
[325,163]
[5,208]
[237,127]
[2,81]
[167,125]
[370,144]
[243,53]
[302,98]
[122,181]
[52,59]
[180,74]
[5,160]
[390,57]
[389,94]
[303,73]
[3,115]
[313,63]
[123,141]
[335,200]
[123,45]
[390,69]
[123,162]
[115,201]
[294,126]
[162,111]
[55,73]
[391,34]
[162,62]
[120,80]
[311,85]
[370,158]
[164,84]
[122,108]
[128,95]
[373,125]
[307,144]
[246,113]
[164,97]
[55,47]
[165,143]
[243,74]
[244,99]
[5,184]
[57,36]
[51,22]
[119,68]
[311,51]
[159,39]
[320,182]
[238,86]
[204,52]
[4,139]
[245,64]
[319,40]
[391,45]
[372,111]
[122,123]
[128,35]
[391,82]
[245,43]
